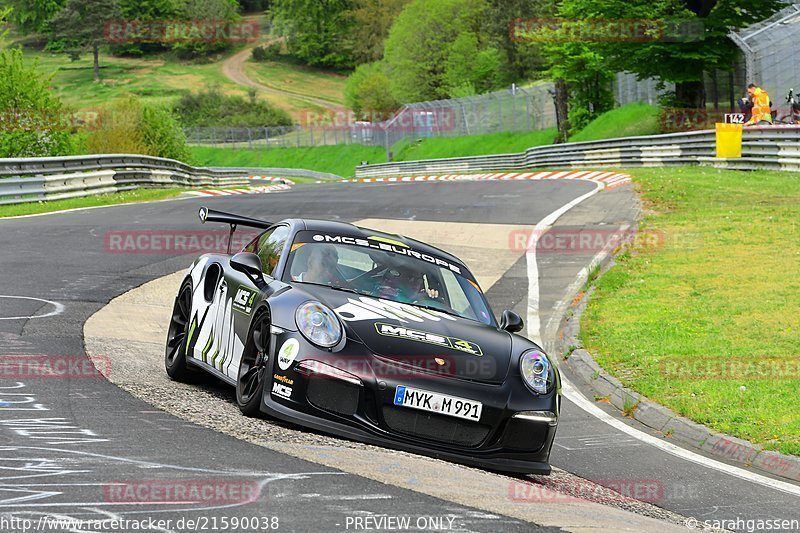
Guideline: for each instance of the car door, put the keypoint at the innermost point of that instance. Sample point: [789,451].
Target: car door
[243,296]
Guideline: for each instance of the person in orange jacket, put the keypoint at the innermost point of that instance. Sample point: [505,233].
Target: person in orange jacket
[761,106]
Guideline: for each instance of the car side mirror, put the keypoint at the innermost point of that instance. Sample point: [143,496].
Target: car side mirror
[511,322]
[248,263]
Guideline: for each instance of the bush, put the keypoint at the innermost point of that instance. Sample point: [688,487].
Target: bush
[162,135]
[119,130]
[129,127]
[212,108]
[33,122]
[269,53]
[259,54]
[368,92]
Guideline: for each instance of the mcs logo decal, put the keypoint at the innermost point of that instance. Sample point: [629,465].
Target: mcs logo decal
[243,300]
[388,330]
[279,389]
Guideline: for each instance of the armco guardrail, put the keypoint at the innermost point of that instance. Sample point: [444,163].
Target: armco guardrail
[769,147]
[55,178]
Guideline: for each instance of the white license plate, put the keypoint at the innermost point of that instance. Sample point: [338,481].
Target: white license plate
[437,403]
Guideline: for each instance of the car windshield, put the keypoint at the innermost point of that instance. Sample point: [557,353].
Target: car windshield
[384,268]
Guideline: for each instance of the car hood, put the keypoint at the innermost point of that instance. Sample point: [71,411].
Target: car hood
[420,338]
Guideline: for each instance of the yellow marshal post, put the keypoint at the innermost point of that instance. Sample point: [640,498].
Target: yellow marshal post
[729,140]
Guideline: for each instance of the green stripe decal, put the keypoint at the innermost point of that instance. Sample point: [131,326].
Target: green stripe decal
[189,337]
[207,347]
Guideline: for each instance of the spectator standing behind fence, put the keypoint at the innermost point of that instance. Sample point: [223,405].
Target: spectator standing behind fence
[762,112]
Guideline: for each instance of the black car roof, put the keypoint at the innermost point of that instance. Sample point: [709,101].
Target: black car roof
[344,228]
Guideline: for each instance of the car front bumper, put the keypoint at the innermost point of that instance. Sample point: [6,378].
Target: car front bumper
[515,432]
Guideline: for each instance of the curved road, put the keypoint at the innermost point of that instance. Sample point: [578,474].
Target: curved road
[75,447]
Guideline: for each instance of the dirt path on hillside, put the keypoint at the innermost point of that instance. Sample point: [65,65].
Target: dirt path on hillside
[233,69]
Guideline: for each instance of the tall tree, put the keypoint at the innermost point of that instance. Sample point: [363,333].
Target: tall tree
[471,69]
[693,39]
[371,21]
[143,10]
[317,30]
[421,41]
[84,23]
[521,60]
[32,15]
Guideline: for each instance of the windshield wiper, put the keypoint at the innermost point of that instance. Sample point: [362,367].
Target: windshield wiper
[344,289]
[432,308]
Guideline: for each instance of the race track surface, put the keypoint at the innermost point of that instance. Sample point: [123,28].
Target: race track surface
[69,445]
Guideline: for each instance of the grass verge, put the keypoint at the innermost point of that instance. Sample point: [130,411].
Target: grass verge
[626,121]
[138,195]
[340,159]
[714,308]
[493,143]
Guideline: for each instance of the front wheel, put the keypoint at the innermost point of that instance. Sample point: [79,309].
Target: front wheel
[178,335]
[253,368]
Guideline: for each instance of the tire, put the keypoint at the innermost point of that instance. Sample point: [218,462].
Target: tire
[252,374]
[177,335]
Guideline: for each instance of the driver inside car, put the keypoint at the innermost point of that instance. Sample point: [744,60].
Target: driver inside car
[406,286]
[321,265]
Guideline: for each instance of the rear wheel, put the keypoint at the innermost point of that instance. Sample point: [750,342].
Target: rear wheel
[178,335]
[252,373]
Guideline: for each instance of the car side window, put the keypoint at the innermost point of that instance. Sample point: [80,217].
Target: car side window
[252,246]
[270,247]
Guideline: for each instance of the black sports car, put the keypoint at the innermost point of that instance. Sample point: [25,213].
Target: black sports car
[369,336]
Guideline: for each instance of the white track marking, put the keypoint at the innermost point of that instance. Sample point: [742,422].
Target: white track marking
[561,306]
[571,393]
[532,315]
[57,308]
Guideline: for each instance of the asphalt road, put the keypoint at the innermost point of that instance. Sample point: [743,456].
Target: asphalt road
[66,444]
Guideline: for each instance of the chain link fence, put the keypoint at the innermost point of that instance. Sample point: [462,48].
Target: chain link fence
[769,59]
[722,88]
[770,51]
[516,109]
[629,89]
[273,137]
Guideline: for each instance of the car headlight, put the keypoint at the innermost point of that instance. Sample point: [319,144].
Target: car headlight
[536,371]
[318,324]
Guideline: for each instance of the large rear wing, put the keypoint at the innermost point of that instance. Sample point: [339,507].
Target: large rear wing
[211,215]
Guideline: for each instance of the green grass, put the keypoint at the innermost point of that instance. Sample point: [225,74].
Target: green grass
[494,143]
[162,78]
[157,79]
[723,289]
[298,79]
[626,121]
[138,195]
[340,160]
